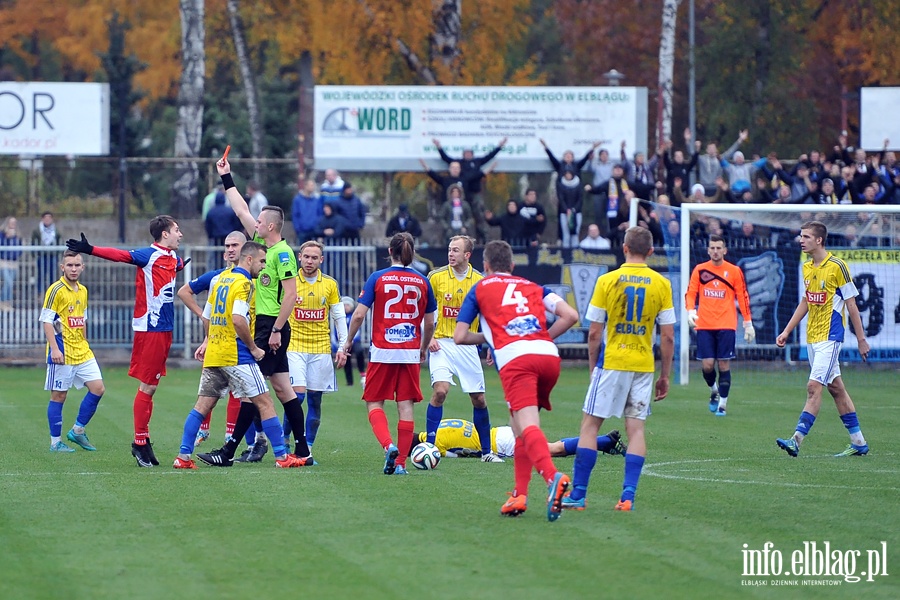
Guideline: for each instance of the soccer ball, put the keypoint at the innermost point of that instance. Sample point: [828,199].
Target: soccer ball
[425,456]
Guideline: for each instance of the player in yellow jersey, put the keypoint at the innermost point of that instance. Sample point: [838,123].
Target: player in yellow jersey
[318,307]
[451,284]
[70,360]
[827,290]
[230,355]
[458,438]
[628,303]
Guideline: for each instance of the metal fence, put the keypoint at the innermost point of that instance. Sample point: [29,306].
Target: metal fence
[112,292]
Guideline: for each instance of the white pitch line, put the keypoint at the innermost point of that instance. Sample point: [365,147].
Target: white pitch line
[648,470]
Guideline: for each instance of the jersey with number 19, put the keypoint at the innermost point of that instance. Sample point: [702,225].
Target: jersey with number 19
[632,299]
[229,296]
[399,298]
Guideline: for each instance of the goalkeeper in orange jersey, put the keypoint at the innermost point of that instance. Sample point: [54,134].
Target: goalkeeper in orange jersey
[710,303]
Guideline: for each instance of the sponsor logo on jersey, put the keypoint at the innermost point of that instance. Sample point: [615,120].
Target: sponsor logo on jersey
[401,333]
[76,322]
[525,325]
[713,293]
[815,297]
[307,314]
[451,312]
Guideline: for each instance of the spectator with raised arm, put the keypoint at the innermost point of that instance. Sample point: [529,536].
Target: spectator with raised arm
[639,173]
[710,164]
[676,165]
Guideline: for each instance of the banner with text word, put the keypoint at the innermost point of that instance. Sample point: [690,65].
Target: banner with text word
[389,128]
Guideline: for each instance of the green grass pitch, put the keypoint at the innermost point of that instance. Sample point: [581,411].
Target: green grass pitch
[94,525]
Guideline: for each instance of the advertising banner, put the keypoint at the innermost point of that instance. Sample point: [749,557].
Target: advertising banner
[390,128]
[46,119]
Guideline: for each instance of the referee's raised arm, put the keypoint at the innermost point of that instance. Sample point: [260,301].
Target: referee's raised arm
[235,200]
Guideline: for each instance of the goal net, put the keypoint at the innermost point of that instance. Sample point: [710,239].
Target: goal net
[762,240]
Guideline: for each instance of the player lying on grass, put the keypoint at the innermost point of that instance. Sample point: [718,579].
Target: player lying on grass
[458,438]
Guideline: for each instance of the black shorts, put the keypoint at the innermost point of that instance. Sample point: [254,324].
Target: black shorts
[277,361]
[715,343]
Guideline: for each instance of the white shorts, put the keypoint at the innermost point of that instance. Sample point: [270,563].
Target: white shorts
[823,361]
[506,441]
[244,381]
[62,377]
[462,361]
[619,393]
[313,371]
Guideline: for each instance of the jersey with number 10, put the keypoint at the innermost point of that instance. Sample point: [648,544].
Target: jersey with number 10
[512,316]
[399,298]
[632,299]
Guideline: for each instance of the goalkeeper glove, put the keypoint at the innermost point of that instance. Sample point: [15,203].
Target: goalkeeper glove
[82,246]
[749,332]
[692,318]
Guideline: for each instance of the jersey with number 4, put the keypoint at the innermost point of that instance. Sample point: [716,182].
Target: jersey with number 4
[399,298]
[513,316]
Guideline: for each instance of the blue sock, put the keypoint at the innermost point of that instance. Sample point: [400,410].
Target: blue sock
[570,444]
[805,423]
[433,416]
[273,431]
[633,465]
[482,421]
[191,427]
[313,416]
[605,443]
[585,459]
[87,409]
[54,417]
[250,436]
[851,422]
[724,383]
[286,426]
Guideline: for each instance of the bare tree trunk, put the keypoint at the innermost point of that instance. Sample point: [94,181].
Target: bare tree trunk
[249,80]
[447,29]
[190,108]
[667,64]
[412,59]
[306,140]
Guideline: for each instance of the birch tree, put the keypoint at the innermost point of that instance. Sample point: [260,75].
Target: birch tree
[667,64]
[189,131]
[447,29]
[249,81]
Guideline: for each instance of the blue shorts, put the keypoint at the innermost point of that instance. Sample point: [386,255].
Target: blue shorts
[715,343]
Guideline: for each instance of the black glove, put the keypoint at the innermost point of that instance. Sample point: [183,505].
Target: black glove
[81,246]
[184,264]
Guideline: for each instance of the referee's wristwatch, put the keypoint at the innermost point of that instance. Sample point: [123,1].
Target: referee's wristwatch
[276,330]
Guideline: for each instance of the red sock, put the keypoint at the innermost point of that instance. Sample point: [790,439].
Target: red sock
[538,453]
[143,408]
[405,431]
[231,414]
[522,468]
[379,423]
[204,426]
